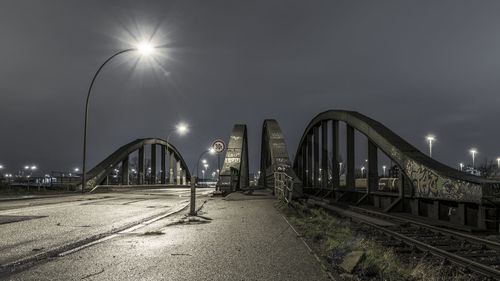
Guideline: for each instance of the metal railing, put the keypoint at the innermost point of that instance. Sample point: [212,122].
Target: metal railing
[283,187]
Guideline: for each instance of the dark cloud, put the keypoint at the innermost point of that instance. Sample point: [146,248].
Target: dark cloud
[418,67]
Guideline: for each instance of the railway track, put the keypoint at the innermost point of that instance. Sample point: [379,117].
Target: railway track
[474,253]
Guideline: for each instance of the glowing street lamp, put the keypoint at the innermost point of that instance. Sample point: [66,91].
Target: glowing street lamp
[181,129]
[461,166]
[473,152]
[430,139]
[384,167]
[498,162]
[363,171]
[144,49]
[211,151]
[1,167]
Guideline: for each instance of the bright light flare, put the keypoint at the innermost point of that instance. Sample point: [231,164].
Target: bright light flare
[145,48]
[182,128]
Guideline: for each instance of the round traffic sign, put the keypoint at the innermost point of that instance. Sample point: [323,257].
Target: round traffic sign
[218,146]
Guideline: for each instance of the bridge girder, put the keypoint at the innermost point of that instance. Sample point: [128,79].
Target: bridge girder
[234,172]
[99,173]
[274,156]
[428,177]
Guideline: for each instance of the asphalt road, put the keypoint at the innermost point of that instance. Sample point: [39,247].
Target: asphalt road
[239,237]
[35,228]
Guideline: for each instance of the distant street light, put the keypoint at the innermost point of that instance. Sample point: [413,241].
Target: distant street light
[340,168]
[498,162]
[461,166]
[430,139]
[363,172]
[473,152]
[384,167]
[1,167]
[211,151]
[144,48]
[76,170]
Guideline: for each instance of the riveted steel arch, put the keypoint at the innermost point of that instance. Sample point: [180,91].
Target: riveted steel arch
[99,173]
[234,173]
[429,178]
[274,155]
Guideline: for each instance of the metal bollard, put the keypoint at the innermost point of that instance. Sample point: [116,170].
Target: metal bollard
[192,205]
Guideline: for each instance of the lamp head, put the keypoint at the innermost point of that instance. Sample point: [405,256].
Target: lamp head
[182,128]
[145,48]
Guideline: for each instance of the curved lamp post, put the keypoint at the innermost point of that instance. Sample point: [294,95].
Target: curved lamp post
[210,150]
[144,49]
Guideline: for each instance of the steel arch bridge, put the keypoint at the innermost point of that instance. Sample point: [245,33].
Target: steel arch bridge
[178,170]
[418,184]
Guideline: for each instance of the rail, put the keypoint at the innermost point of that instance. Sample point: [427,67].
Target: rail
[283,187]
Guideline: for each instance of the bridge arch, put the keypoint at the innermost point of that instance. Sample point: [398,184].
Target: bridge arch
[274,156]
[425,177]
[100,172]
[234,174]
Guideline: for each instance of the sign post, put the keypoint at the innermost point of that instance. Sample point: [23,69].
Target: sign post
[218,146]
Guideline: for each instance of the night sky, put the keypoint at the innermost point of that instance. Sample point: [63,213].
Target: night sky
[418,67]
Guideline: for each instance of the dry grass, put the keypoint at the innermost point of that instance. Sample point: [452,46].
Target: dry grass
[333,238]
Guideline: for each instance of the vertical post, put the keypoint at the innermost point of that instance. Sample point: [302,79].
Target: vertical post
[153,164]
[192,204]
[163,164]
[402,191]
[171,168]
[184,182]
[178,171]
[372,167]
[298,163]
[350,184]
[335,155]
[309,157]
[303,159]
[316,156]
[141,166]
[124,172]
[324,154]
